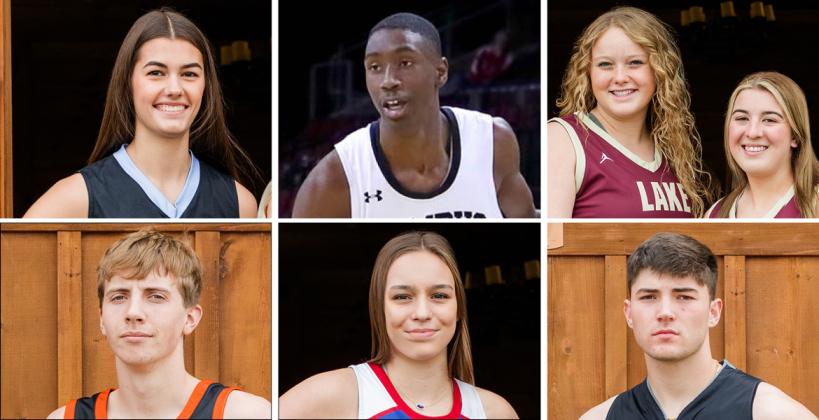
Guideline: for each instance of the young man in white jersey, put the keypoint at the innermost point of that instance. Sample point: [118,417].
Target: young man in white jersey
[418,159]
[672,282]
[148,286]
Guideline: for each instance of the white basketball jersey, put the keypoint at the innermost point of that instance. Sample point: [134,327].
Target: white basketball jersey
[377,397]
[467,192]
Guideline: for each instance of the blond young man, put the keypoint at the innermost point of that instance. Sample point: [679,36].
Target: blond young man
[672,282]
[148,286]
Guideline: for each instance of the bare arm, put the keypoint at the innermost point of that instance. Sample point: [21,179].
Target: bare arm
[514,196]
[67,198]
[600,411]
[332,394]
[325,192]
[561,160]
[243,405]
[770,403]
[247,202]
[495,406]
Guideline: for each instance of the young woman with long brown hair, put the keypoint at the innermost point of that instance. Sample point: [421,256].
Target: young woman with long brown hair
[421,361]
[163,148]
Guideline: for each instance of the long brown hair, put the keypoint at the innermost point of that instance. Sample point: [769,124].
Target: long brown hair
[459,350]
[804,166]
[669,119]
[210,138]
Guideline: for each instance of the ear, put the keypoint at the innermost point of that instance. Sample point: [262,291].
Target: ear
[627,312]
[794,143]
[442,70]
[102,326]
[714,312]
[192,317]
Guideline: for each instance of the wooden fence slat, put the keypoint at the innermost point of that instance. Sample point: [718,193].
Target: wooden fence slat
[616,327]
[734,311]
[69,316]
[206,337]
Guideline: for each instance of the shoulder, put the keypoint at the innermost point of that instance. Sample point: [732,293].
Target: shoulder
[57,414]
[599,411]
[771,403]
[325,192]
[67,198]
[495,406]
[243,405]
[505,145]
[327,394]
[247,202]
[714,209]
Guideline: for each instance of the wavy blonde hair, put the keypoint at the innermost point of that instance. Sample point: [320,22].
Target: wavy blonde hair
[670,122]
[804,165]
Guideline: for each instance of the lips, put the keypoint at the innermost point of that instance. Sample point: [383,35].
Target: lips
[135,336]
[754,148]
[171,107]
[422,333]
[622,92]
[393,107]
[665,333]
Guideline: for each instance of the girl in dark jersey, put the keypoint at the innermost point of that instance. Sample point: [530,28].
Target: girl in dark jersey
[625,144]
[773,170]
[163,113]
[421,365]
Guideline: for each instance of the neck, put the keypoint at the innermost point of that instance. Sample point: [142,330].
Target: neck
[152,390]
[677,383]
[160,158]
[420,142]
[763,191]
[424,381]
[631,131]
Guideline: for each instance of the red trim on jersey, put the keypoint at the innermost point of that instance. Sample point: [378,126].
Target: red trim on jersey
[385,380]
[221,401]
[385,412]
[69,410]
[101,405]
[194,399]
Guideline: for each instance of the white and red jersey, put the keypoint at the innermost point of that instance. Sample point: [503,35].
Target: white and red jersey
[611,181]
[378,399]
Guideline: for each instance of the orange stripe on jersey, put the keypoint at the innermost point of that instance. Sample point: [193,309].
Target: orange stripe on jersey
[69,409]
[194,399]
[101,406]
[221,401]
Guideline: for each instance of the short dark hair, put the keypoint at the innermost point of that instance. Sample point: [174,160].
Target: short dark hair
[410,22]
[677,255]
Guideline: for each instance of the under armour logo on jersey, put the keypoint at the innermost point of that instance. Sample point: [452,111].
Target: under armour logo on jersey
[603,158]
[377,195]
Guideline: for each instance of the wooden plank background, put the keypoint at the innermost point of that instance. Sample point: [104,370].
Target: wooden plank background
[768,279]
[52,350]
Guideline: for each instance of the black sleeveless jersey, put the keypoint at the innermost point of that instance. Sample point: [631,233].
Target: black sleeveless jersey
[729,396]
[113,193]
[207,401]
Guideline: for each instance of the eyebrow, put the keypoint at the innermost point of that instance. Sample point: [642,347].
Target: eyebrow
[675,290]
[128,290]
[435,287]
[401,49]
[164,66]
[764,113]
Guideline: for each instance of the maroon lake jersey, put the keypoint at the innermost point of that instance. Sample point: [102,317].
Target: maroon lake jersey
[613,182]
[785,208]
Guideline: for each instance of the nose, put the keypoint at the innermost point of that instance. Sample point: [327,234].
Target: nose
[135,311]
[666,312]
[173,88]
[755,128]
[421,311]
[389,82]
[620,74]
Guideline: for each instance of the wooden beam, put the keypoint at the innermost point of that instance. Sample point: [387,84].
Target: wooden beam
[723,238]
[6,190]
[734,311]
[69,316]
[206,337]
[616,328]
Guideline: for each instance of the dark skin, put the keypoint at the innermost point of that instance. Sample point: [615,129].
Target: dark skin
[404,73]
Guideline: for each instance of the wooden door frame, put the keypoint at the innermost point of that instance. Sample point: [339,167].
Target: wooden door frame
[6,166]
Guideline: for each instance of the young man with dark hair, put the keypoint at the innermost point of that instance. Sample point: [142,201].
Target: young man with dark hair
[419,159]
[148,286]
[672,282]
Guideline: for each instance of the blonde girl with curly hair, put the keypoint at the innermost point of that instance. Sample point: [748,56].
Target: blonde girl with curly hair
[625,144]
[773,170]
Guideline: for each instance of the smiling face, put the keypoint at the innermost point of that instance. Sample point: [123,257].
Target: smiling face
[621,77]
[403,73]
[670,315]
[420,307]
[758,134]
[168,84]
[145,320]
